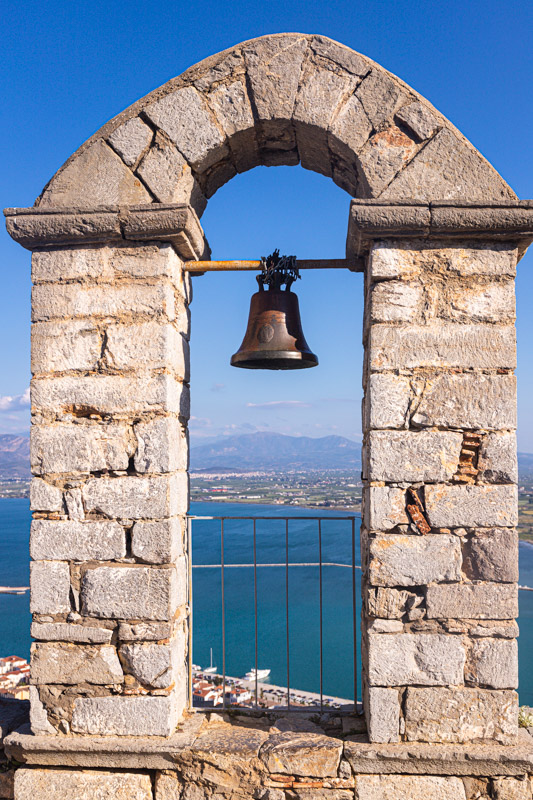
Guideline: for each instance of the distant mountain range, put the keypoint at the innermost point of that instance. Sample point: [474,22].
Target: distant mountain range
[14,456]
[248,452]
[253,451]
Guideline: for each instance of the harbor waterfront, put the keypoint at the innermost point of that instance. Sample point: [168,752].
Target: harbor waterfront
[239,595]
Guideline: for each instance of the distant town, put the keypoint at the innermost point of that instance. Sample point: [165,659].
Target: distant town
[208,692]
[333,489]
[14,678]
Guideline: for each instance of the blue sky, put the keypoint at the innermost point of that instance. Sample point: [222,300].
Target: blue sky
[69,67]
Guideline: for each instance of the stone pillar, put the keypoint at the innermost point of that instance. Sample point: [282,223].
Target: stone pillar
[109,451]
[439,546]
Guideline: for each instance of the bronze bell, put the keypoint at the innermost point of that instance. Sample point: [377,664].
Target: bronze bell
[274,338]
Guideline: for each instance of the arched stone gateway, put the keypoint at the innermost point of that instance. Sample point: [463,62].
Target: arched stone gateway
[438,234]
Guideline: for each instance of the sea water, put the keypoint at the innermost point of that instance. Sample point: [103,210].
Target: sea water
[299,631]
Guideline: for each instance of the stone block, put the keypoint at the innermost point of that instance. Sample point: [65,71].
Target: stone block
[392,259]
[74,504]
[145,261]
[68,540]
[512,788]
[144,631]
[472,601]
[125,716]
[158,542]
[95,177]
[493,663]
[44,496]
[380,96]
[505,629]
[216,69]
[497,461]
[106,263]
[418,119]
[71,664]
[383,715]
[150,664]
[468,401]
[388,603]
[67,632]
[58,301]
[493,302]
[491,555]
[136,497]
[387,401]
[385,626]
[53,784]
[58,346]
[414,560]
[344,56]
[395,301]
[38,716]
[307,754]
[350,129]
[185,117]
[49,587]
[69,263]
[320,93]
[147,345]
[273,66]
[41,229]
[162,445]
[65,448]
[232,108]
[413,455]
[109,394]
[409,787]
[460,715]
[383,156]
[449,169]
[415,658]
[471,506]
[169,177]
[384,507]
[448,344]
[130,140]
[125,593]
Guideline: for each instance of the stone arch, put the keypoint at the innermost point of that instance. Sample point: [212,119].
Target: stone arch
[280,99]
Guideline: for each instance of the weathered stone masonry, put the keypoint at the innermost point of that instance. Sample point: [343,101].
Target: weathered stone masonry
[438,234]
[440,496]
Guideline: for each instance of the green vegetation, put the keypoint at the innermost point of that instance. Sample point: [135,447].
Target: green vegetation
[525,509]
[311,488]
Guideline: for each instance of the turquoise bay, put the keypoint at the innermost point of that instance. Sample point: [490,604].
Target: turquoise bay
[239,598]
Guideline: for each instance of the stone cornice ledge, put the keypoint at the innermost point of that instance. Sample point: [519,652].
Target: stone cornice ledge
[382,219]
[292,749]
[36,228]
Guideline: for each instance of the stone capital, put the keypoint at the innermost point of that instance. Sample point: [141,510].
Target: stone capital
[36,228]
[385,219]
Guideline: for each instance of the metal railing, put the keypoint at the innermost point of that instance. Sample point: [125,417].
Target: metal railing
[287,565]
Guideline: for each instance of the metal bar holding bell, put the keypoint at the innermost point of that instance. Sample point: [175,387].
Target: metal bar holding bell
[315,263]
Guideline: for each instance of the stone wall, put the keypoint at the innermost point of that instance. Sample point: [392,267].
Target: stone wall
[276,756]
[439,547]
[109,451]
